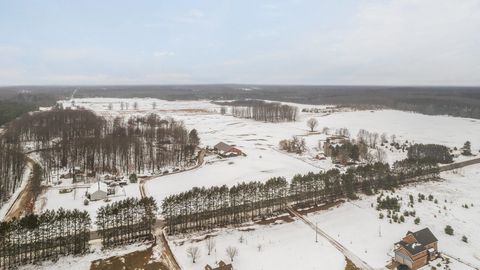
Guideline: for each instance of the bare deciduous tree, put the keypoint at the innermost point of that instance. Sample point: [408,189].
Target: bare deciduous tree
[380,155]
[232,252]
[193,253]
[325,130]
[312,123]
[383,137]
[210,243]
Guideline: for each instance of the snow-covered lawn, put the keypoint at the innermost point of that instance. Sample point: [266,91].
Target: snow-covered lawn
[84,262]
[53,199]
[273,247]
[357,225]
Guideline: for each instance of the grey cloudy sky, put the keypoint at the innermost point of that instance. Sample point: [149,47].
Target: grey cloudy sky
[374,42]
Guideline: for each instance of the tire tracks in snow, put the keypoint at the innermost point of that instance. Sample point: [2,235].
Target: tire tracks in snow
[347,253]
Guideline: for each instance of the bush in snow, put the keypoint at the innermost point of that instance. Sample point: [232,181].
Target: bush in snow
[464,239]
[133,178]
[417,221]
[449,230]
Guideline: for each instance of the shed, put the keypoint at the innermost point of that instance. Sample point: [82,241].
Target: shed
[98,195]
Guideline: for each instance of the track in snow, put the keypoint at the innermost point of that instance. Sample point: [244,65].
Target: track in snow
[347,253]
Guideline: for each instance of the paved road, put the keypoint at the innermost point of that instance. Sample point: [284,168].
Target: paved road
[347,253]
[459,164]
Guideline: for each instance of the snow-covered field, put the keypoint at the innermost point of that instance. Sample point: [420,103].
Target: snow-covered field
[357,225]
[354,224]
[260,140]
[279,247]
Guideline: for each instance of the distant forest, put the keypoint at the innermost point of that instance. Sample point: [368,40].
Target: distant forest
[455,101]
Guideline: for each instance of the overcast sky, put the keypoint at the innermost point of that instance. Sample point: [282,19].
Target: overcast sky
[374,42]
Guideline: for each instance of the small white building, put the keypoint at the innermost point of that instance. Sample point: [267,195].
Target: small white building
[98,191]
[98,195]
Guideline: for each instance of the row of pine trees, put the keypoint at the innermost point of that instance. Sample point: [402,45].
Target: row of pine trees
[126,221]
[48,236]
[206,208]
[35,238]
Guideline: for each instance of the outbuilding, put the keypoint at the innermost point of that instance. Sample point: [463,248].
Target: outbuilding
[227,150]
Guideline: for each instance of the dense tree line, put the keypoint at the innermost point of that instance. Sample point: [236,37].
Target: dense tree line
[206,208]
[10,110]
[262,111]
[126,221]
[81,139]
[433,152]
[409,168]
[35,238]
[455,101]
[12,165]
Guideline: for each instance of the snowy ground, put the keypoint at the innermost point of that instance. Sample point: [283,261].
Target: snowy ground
[354,224]
[279,247]
[357,225]
[259,141]
[84,262]
[53,199]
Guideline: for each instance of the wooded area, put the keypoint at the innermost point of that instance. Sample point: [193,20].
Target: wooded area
[126,221]
[260,110]
[80,140]
[12,165]
[36,238]
[433,152]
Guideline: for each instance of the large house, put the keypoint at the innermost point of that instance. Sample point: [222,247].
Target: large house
[416,249]
[227,150]
[221,266]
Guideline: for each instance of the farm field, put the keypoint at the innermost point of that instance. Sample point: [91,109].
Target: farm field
[263,160]
[356,225]
[259,141]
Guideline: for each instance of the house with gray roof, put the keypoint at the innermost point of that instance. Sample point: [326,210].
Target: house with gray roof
[416,249]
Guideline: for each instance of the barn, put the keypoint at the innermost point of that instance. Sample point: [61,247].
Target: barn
[227,150]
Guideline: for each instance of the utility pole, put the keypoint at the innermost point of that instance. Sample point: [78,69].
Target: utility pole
[316,232]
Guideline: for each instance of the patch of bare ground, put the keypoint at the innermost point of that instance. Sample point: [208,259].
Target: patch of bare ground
[350,265]
[325,206]
[139,260]
[285,218]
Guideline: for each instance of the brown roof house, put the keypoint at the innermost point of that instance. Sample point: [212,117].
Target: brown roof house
[416,249]
[221,266]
